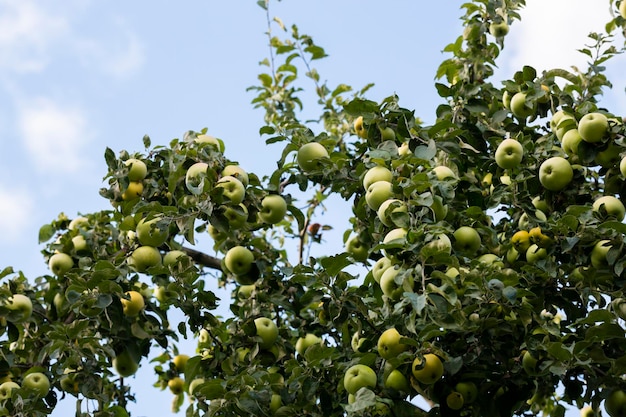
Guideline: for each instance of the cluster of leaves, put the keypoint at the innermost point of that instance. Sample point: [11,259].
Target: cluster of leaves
[482,313]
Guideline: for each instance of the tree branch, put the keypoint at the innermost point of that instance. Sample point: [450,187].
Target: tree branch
[203,259]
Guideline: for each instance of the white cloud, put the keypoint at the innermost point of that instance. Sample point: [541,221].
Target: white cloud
[16,210]
[54,135]
[121,58]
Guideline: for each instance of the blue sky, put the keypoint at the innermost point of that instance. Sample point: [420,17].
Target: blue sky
[77,76]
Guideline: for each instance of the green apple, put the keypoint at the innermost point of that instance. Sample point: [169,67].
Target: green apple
[534,254]
[310,155]
[60,263]
[393,289]
[194,384]
[356,342]
[124,364]
[357,249]
[134,304]
[609,206]
[441,244]
[237,172]
[490,259]
[387,133]
[467,240]
[455,400]
[598,254]
[570,141]
[232,189]
[555,173]
[509,154]
[267,330]
[152,232]
[163,295]
[520,108]
[380,267]
[212,140]
[610,156]
[144,257]
[173,257]
[133,191]
[359,127]
[377,193]
[78,222]
[359,376]
[176,385]
[389,345]
[80,244]
[427,369]
[239,260]
[622,9]
[6,388]
[37,382]
[540,204]
[397,381]
[303,343]
[236,215]
[245,291]
[137,169]
[375,174]
[506,99]
[593,127]
[180,361]
[387,208]
[499,29]
[443,172]
[615,403]
[561,123]
[468,390]
[273,209]
[404,149]
[21,308]
[275,403]
[395,234]
[196,177]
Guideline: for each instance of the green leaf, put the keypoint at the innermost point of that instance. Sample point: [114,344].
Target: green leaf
[146,141]
[111,160]
[46,232]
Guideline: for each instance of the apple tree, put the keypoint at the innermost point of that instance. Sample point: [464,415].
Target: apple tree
[483,272]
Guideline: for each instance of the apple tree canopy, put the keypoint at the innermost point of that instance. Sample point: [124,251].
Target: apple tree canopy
[501,268]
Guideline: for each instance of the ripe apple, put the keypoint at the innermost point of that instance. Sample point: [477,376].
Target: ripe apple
[237,172]
[509,154]
[310,155]
[37,382]
[443,172]
[60,263]
[490,259]
[468,390]
[180,361]
[375,174]
[467,240]
[133,305]
[357,249]
[173,257]
[359,376]
[599,253]
[393,289]
[455,400]
[520,108]
[236,215]
[21,308]
[377,193]
[273,209]
[389,345]
[427,369]
[267,330]
[137,169]
[359,128]
[303,343]
[555,173]
[239,260]
[232,189]
[124,364]
[570,141]
[380,267]
[144,257]
[387,208]
[609,206]
[176,385]
[593,127]
[5,390]
[521,240]
[133,191]
[499,29]
[397,381]
[152,232]
[615,403]
[196,177]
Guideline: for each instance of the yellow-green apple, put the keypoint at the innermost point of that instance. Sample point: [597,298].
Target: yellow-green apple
[467,240]
[387,133]
[137,169]
[468,390]
[443,172]
[599,252]
[615,403]
[303,343]
[555,173]
[6,388]
[441,244]
[622,9]
[310,155]
[196,177]
[377,193]
[36,382]
[276,401]
[455,400]
[176,385]
[144,257]
[587,411]
[245,291]
[357,341]
[404,149]
[427,369]
[357,249]
[212,140]
[173,257]
[622,164]
[239,260]
[397,381]
[609,206]
[562,123]
[21,308]
[134,304]
[359,376]
[375,174]
[506,99]
[529,363]
[180,361]
[540,204]
[60,263]
[498,29]
[133,191]
[273,209]
[267,330]
[78,222]
[124,364]
[194,384]
[232,189]
[380,266]
[609,157]
[80,244]
[163,295]
[521,240]
[509,154]
[570,141]
[388,208]
[520,108]
[534,253]
[237,172]
[152,232]
[236,215]
[389,345]
[391,287]
[593,127]
[490,259]
[359,127]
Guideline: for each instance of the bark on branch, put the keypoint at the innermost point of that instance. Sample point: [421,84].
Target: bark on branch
[203,259]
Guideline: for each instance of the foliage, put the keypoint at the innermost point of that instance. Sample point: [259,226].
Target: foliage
[530,335]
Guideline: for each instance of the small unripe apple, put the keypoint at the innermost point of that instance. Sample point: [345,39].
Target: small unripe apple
[137,169]
[499,30]
[176,385]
